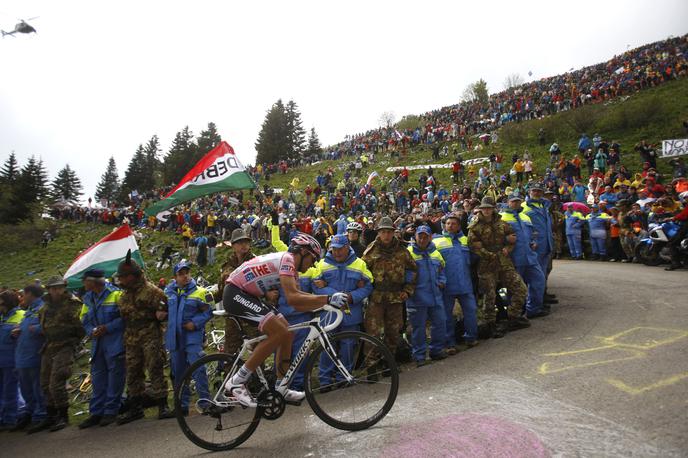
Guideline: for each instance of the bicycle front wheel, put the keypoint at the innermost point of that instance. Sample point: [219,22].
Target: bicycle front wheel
[206,417]
[364,400]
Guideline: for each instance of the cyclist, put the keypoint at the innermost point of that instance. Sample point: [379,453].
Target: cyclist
[245,287]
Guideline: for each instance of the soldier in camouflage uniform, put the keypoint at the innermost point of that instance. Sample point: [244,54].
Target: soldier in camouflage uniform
[142,306]
[492,239]
[241,252]
[59,319]
[557,226]
[388,260]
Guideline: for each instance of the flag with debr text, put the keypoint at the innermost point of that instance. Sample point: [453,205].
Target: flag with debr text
[218,171]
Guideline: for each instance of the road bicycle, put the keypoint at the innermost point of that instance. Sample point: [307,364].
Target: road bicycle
[351,381]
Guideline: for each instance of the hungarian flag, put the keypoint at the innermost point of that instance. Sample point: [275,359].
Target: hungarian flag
[105,255]
[219,170]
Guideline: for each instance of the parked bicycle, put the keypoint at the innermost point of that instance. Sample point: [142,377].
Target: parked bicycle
[351,399]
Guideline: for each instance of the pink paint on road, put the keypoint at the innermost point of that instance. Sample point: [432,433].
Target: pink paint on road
[469,435]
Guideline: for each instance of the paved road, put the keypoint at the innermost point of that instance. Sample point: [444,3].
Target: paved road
[605,375]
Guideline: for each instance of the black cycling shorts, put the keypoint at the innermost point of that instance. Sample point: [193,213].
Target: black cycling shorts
[240,304]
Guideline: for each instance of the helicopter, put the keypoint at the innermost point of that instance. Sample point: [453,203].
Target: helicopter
[22,27]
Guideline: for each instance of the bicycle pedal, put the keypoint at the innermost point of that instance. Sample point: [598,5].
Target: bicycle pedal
[294,403]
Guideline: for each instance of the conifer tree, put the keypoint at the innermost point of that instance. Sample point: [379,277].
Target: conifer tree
[66,186]
[108,187]
[314,148]
[274,141]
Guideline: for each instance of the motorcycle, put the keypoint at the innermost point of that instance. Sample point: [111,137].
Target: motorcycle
[653,250]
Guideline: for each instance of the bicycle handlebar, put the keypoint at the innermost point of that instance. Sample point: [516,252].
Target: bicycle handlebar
[339,316]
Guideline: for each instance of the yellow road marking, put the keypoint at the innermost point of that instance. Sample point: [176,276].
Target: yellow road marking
[665,336]
[546,368]
[638,390]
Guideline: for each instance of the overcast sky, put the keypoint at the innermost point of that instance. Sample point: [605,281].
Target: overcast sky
[101,77]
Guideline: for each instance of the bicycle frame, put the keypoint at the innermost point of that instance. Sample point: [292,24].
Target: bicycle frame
[316,332]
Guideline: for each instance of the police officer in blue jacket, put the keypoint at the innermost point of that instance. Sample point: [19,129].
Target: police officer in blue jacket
[574,221]
[342,271]
[453,246]
[525,257]
[598,222]
[294,317]
[537,208]
[189,309]
[11,316]
[103,324]
[27,358]
[427,301]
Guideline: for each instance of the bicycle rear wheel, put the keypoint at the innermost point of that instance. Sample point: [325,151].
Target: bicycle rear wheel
[361,402]
[208,424]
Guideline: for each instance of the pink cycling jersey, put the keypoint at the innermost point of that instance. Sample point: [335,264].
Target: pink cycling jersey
[262,273]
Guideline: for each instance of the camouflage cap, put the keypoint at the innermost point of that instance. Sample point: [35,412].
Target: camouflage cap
[487,202]
[385,223]
[55,280]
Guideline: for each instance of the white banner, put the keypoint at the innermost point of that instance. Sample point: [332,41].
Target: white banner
[448,165]
[672,148]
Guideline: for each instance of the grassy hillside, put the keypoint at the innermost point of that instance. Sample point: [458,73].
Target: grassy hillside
[653,115]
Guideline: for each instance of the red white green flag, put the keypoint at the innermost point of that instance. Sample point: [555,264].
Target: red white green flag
[219,170]
[106,254]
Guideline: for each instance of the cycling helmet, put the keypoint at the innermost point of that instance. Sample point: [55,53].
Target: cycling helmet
[354,226]
[306,241]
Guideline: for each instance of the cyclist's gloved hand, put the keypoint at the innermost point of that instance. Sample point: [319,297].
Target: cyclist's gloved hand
[338,300]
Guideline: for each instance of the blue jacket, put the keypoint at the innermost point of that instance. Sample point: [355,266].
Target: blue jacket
[584,143]
[8,344]
[574,222]
[541,219]
[188,304]
[305,285]
[99,310]
[30,340]
[455,252]
[597,223]
[429,277]
[344,277]
[610,198]
[520,222]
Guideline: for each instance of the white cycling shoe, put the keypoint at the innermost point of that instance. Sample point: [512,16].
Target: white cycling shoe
[292,395]
[241,394]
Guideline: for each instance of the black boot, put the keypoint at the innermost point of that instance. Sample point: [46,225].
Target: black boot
[22,423]
[45,424]
[500,330]
[62,419]
[163,411]
[519,323]
[134,413]
[673,267]
[90,421]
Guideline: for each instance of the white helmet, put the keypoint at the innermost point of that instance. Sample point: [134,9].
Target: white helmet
[354,226]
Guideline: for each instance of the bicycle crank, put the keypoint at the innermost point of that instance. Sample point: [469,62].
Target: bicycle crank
[272,404]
